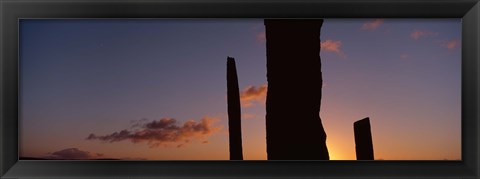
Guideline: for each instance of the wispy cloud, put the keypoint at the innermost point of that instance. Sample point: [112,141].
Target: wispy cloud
[253,94]
[450,44]
[417,34]
[404,56]
[333,46]
[261,37]
[73,154]
[248,116]
[372,25]
[163,132]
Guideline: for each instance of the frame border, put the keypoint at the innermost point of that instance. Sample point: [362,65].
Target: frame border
[12,10]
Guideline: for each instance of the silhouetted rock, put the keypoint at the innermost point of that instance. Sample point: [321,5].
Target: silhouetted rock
[294,127]
[363,139]
[234,113]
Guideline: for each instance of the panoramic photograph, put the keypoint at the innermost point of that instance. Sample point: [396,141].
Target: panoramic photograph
[240,89]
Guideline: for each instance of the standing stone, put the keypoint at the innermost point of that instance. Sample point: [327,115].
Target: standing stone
[363,139]
[234,113]
[294,128]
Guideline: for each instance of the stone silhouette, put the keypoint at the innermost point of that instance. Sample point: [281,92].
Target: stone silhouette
[234,113]
[294,128]
[363,139]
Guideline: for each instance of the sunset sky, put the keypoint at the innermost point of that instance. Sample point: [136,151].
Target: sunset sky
[104,88]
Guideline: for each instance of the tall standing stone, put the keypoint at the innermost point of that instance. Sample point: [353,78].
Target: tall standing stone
[294,128]
[363,139]
[234,113]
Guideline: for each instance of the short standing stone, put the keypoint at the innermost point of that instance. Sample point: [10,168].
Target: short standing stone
[363,139]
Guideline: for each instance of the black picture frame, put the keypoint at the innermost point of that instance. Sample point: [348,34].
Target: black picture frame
[12,10]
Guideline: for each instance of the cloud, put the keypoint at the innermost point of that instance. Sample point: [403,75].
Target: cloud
[137,123]
[248,116]
[404,56]
[333,46]
[73,153]
[252,94]
[261,37]
[163,132]
[417,34]
[372,25]
[450,44]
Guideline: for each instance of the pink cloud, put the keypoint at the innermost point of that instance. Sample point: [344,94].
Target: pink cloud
[404,56]
[73,154]
[333,46]
[252,94]
[163,132]
[248,116]
[261,36]
[450,44]
[416,34]
[372,25]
